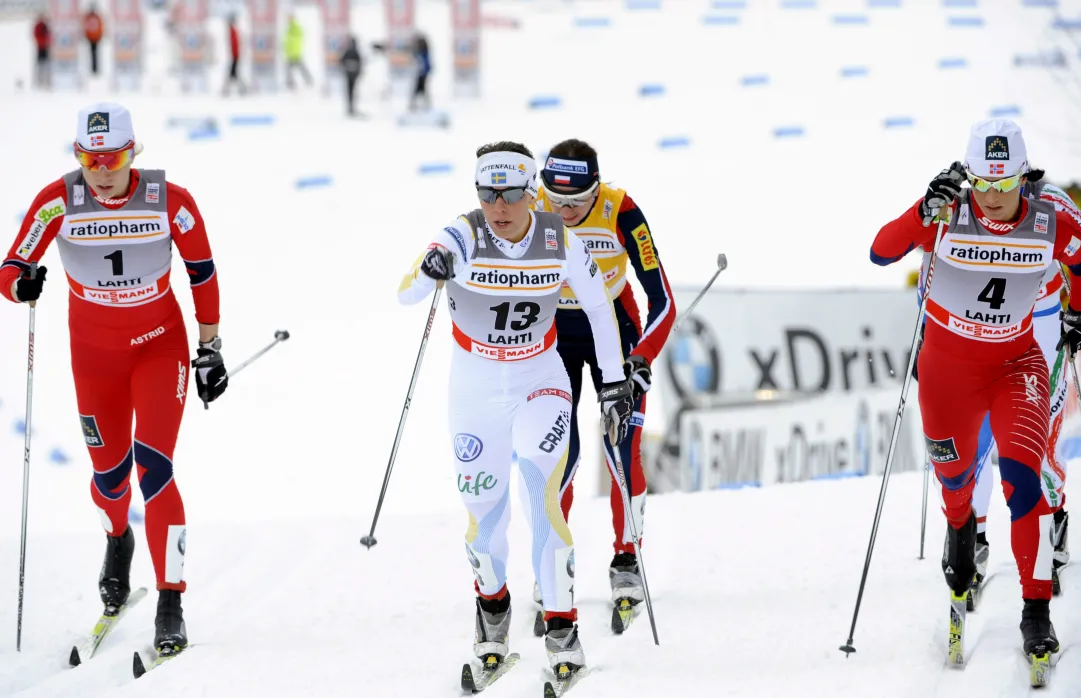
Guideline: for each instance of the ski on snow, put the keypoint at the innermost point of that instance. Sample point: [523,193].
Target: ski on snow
[488,674]
[104,626]
[557,688]
[623,614]
[157,658]
[1039,662]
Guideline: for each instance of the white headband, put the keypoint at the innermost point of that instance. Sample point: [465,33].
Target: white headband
[505,169]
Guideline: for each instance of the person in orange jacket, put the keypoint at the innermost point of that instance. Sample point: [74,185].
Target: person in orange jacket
[93,28]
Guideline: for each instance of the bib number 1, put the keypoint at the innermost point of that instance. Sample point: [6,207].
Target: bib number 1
[994,293]
[117,258]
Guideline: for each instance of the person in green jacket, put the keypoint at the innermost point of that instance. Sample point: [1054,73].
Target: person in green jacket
[294,53]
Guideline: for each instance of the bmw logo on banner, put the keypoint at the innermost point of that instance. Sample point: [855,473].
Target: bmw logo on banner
[467,447]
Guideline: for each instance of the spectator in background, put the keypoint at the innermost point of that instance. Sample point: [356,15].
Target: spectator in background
[424,66]
[93,28]
[42,40]
[294,52]
[351,68]
[234,56]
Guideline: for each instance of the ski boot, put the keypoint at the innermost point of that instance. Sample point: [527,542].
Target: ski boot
[493,626]
[1040,641]
[170,633]
[627,590]
[959,567]
[565,654]
[539,627]
[983,553]
[1062,550]
[114,581]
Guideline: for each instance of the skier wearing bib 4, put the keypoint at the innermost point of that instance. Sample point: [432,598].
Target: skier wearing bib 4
[615,230]
[504,266]
[979,355]
[115,228]
[1045,328]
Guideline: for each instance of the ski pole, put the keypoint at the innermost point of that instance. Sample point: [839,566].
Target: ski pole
[279,336]
[847,648]
[722,264]
[626,492]
[923,514]
[26,463]
[369,540]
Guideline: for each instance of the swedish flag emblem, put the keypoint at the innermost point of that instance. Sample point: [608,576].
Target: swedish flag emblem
[499,178]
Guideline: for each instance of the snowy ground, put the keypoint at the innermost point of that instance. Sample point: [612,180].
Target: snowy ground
[753,589]
[753,595]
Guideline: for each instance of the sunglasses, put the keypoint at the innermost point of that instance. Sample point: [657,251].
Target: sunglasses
[1003,185]
[111,160]
[511,195]
[571,200]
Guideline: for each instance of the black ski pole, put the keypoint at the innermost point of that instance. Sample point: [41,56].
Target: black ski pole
[26,462]
[848,648]
[279,336]
[369,540]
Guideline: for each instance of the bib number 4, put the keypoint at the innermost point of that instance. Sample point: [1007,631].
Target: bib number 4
[994,293]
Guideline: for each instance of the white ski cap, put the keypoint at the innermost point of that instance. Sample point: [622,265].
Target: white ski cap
[104,126]
[996,149]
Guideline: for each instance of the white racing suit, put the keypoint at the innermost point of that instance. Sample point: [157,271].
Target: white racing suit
[509,391]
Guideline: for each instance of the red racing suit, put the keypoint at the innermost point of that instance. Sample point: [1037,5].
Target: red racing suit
[979,356]
[129,350]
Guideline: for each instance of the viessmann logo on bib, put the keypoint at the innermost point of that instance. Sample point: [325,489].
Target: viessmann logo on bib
[980,253]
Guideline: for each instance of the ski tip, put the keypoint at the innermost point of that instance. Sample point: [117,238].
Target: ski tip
[137,667]
[468,684]
[74,659]
[617,622]
[549,690]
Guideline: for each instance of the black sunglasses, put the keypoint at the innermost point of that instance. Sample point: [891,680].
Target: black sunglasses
[511,195]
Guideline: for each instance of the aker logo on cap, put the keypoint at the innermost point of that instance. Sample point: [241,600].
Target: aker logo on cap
[997,148]
[97,122]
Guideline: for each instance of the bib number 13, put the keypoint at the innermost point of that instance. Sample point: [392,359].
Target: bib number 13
[994,293]
[529,313]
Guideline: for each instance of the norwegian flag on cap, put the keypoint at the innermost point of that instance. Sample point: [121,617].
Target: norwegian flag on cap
[97,141]
[997,168]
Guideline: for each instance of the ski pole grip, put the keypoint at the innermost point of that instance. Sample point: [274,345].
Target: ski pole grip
[33,275]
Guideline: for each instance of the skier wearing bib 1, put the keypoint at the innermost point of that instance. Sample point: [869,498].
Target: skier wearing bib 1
[504,266]
[115,228]
[979,355]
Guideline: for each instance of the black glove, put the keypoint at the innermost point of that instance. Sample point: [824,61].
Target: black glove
[1071,330]
[211,378]
[637,370]
[941,192]
[617,406]
[438,264]
[28,286]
